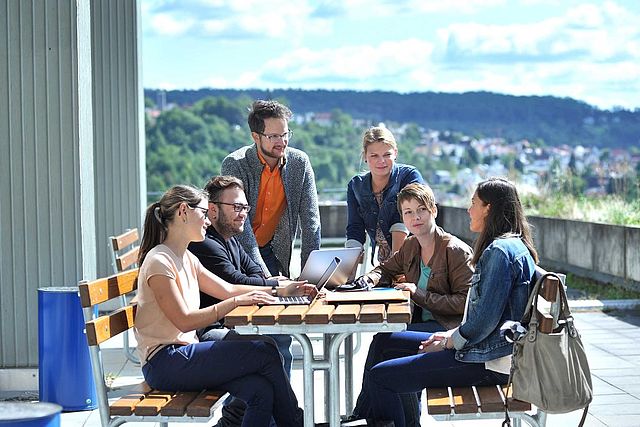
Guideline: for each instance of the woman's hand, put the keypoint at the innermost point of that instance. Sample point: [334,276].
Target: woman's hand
[254,297]
[298,288]
[411,287]
[436,342]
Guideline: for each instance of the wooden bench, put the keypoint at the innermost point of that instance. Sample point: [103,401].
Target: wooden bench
[487,402]
[124,256]
[141,403]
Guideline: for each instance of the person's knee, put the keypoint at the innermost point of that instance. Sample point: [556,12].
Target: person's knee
[257,391]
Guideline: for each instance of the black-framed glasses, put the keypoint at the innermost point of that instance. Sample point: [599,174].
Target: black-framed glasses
[275,137]
[237,207]
[205,211]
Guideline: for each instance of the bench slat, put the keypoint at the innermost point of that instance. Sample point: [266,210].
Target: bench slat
[438,402]
[549,289]
[293,315]
[177,406]
[399,312]
[126,404]
[104,327]
[240,315]
[514,404]
[464,400]
[203,405]
[267,315]
[125,239]
[491,400]
[152,403]
[346,313]
[101,290]
[126,260]
[372,313]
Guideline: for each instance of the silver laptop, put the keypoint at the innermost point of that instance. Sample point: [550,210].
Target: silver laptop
[319,260]
[328,273]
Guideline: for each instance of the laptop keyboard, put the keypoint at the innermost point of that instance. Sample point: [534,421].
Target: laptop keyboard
[293,300]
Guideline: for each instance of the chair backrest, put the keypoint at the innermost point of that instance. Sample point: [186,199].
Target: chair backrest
[125,250]
[101,328]
[548,309]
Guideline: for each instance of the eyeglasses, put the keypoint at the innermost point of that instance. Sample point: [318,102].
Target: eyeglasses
[205,211]
[272,138]
[237,207]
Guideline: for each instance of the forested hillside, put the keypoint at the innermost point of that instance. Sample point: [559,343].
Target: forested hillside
[554,121]
[187,145]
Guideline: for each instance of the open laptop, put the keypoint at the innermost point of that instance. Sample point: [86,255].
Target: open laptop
[319,259]
[328,273]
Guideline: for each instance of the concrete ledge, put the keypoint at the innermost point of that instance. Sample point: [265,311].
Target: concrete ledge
[22,379]
[608,304]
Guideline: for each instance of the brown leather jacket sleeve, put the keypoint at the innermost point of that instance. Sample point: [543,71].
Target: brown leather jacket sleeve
[449,284]
[384,274]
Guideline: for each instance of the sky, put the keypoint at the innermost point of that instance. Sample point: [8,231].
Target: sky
[586,50]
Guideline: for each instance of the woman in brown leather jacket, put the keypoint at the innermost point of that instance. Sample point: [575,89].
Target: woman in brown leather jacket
[437,272]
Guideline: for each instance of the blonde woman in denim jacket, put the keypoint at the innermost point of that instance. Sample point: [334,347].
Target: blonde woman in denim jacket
[371,196]
[473,353]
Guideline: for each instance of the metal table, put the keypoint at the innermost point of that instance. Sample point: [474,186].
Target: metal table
[335,328]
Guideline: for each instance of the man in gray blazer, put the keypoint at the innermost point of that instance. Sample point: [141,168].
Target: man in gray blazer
[280,187]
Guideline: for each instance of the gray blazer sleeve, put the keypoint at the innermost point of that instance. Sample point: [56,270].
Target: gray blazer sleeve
[309,214]
[247,239]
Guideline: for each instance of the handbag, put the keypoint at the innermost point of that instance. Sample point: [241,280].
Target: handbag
[550,371]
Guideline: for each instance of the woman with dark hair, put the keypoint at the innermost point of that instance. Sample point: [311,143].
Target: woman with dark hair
[473,353]
[168,314]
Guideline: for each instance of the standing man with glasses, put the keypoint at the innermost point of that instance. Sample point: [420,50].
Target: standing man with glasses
[221,253]
[281,189]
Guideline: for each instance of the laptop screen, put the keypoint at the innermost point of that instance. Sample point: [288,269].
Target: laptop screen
[328,273]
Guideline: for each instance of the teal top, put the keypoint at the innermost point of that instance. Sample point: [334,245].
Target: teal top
[423,283]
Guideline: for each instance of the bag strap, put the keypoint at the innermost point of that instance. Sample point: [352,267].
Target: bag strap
[530,316]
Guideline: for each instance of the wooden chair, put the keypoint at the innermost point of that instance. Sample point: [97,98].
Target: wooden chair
[141,403]
[470,403]
[124,256]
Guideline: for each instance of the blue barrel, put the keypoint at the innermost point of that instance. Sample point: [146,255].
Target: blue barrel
[63,355]
[26,414]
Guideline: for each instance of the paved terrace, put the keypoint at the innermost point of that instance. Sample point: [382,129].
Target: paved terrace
[611,344]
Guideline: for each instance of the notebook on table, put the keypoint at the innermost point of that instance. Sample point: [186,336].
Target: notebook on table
[319,259]
[380,295]
[326,276]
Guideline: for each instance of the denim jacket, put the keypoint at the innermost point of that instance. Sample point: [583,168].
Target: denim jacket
[363,213]
[500,288]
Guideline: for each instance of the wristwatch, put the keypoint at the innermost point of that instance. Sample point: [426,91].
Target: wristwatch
[274,290]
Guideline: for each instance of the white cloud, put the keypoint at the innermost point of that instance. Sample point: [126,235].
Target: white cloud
[166,24]
[588,31]
[351,63]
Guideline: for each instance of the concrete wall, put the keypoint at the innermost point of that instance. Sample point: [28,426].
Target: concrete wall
[609,253]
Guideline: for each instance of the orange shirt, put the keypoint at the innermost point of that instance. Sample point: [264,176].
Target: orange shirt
[271,203]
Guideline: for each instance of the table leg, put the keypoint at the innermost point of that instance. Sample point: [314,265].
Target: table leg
[326,349]
[307,377]
[334,378]
[348,374]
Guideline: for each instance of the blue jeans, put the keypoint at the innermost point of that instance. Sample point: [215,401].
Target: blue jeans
[389,379]
[249,370]
[269,258]
[382,349]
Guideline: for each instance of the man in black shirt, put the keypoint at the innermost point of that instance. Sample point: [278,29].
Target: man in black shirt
[221,253]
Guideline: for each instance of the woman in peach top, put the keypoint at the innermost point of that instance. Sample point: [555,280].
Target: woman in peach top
[168,314]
